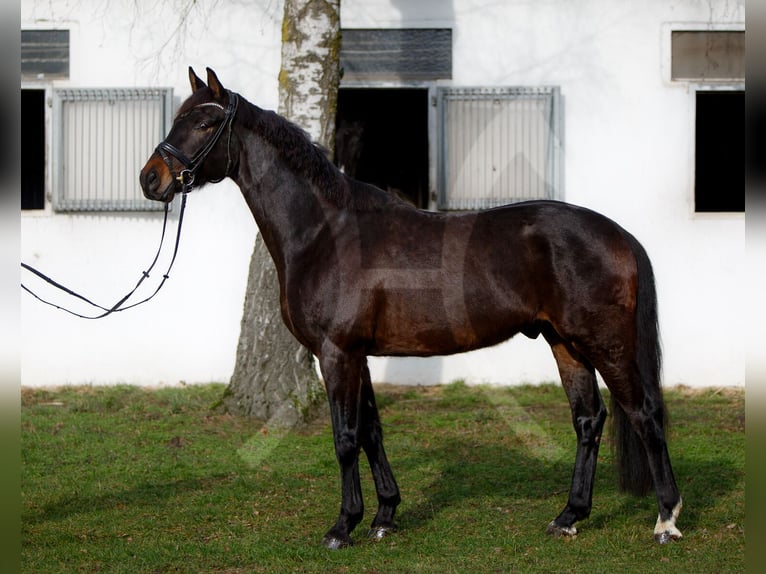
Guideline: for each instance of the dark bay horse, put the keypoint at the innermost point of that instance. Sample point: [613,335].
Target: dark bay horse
[363,273]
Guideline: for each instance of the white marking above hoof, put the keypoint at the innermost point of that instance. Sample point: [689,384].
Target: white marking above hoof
[378,533]
[665,530]
[561,531]
[335,543]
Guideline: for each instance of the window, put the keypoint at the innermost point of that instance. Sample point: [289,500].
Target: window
[101,138]
[498,146]
[410,54]
[33,149]
[719,178]
[44,54]
[713,61]
[708,55]
[382,138]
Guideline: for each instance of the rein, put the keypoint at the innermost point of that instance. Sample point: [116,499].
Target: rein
[144,275]
[186,179]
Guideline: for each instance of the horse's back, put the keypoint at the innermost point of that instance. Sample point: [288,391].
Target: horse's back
[446,283]
[541,245]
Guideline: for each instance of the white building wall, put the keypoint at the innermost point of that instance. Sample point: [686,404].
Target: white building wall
[190,330]
[629,153]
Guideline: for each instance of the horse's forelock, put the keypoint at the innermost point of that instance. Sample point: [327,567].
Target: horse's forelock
[199,97]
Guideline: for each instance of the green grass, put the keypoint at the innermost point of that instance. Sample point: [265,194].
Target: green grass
[121,479]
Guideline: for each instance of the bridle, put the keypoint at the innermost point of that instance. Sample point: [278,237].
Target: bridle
[191,166]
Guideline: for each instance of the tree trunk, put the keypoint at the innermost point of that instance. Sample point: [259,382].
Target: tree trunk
[274,377]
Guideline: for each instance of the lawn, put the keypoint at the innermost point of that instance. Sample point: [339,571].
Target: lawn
[124,479]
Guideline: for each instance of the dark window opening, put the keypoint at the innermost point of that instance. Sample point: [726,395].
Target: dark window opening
[382,139]
[32,149]
[719,183]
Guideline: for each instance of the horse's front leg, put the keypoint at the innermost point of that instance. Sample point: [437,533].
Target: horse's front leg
[372,443]
[341,372]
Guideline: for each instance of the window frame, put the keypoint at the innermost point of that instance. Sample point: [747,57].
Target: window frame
[694,89]
[59,98]
[554,159]
[667,49]
[25,86]
[396,54]
[31,69]
[46,88]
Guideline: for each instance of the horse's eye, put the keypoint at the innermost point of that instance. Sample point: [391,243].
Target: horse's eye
[203,125]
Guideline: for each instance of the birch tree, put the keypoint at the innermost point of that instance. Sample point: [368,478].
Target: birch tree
[274,377]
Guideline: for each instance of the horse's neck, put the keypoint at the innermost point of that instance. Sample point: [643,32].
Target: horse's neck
[289,214]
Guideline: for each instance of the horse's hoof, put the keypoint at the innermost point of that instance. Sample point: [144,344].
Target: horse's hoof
[667,536]
[378,533]
[561,531]
[334,543]
[665,530]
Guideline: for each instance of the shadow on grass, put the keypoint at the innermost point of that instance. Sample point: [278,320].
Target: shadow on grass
[515,477]
[466,468]
[143,495]
[490,472]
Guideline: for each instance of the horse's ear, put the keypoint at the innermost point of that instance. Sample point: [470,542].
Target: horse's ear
[215,84]
[195,81]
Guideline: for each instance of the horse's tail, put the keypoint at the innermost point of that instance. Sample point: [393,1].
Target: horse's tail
[630,455]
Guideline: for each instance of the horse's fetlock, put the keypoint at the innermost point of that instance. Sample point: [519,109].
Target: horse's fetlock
[391,500]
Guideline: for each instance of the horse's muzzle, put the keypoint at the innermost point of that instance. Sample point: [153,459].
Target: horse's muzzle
[156,184]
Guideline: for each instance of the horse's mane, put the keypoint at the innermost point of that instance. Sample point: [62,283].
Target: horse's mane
[300,154]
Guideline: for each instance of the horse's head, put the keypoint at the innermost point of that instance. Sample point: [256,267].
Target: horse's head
[199,147]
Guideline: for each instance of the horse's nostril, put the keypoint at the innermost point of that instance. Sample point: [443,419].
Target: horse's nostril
[150,180]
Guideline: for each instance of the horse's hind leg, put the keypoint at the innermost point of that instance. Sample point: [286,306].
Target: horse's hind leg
[372,443]
[588,416]
[640,436]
